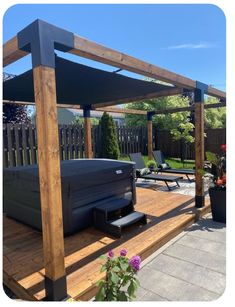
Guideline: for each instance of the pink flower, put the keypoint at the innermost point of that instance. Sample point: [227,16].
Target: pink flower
[134,262]
[123,252]
[110,254]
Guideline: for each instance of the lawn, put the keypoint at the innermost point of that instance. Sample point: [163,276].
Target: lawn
[173,162]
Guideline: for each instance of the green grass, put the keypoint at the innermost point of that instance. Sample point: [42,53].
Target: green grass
[173,162]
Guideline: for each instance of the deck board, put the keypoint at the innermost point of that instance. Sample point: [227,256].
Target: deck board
[167,213]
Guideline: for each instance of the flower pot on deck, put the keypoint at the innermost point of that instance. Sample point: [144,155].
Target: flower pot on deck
[218,204]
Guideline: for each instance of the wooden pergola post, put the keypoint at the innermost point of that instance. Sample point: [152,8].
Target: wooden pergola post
[87,133]
[39,38]
[199,143]
[150,134]
[50,182]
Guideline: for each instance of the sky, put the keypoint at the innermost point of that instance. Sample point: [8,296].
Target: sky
[187,39]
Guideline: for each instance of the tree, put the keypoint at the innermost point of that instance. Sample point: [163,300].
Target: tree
[161,121]
[215,117]
[14,113]
[109,143]
[184,134]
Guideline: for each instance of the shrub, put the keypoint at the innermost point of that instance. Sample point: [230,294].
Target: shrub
[151,164]
[109,144]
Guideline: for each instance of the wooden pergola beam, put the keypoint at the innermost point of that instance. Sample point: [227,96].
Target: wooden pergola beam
[127,111]
[190,108]
[11,53]
[121,111]
[91,50]
[77,107]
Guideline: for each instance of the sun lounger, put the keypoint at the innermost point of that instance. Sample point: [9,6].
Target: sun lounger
[145,173]
[164,167]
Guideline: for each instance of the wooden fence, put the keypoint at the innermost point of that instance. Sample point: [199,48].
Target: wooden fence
[20,142]
[163,140]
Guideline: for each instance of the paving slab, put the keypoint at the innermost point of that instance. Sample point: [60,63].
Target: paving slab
[206,245]
[207,224]
[189,272]
[146,295]
[172,288]
[205,259]
[208,234]
[190,267]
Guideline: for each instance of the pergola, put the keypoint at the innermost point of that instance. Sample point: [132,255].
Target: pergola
[48,85]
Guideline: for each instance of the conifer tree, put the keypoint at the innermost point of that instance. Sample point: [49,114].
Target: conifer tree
[109,143]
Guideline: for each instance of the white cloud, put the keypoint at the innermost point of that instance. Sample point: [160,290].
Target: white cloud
[191,46]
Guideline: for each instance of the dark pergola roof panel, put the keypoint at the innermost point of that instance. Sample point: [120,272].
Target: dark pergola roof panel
[80,84]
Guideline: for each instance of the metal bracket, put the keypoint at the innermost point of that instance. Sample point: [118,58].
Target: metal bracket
[199,201]
[87,111]
[41,38]
[199,92]
[56,290]
[150,115]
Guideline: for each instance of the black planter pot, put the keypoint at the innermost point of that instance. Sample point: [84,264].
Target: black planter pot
[218,204]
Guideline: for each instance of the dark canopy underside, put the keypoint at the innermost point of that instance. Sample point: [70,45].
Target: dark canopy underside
[80,84]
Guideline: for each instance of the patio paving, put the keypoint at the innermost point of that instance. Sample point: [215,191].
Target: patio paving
[190,267]
[186,187]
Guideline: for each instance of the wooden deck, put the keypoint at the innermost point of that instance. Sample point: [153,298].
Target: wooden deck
[168,214]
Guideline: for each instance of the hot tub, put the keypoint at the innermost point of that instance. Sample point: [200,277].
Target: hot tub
[86,183]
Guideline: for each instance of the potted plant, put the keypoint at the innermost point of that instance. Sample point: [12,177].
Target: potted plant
[217,184]
[152,165]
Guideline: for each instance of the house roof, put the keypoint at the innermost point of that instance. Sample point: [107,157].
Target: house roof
[80,84]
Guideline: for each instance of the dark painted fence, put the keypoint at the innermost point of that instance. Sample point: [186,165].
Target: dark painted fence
[163,140]
[20,142]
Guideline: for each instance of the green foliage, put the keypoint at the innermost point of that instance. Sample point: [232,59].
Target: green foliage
[120,283]
[217,176]
[215,117]
[80,121]
[151,164]
[183,131]
[162,121]
[109,143]
[212,158]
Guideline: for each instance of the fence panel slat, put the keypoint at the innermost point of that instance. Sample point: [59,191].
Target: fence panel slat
[75,136]
[5,148]
[18,143]
[11,151]
[70,142]
[32,144]
[25,145]
[81,134]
